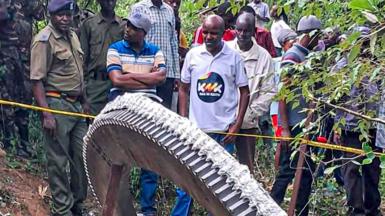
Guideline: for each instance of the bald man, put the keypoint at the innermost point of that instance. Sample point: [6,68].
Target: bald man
[211,77]
[260,72]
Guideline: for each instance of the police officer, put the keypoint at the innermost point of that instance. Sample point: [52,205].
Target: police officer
[96,34]
[57,83]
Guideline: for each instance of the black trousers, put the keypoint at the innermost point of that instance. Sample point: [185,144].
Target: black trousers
[361,182]
[246,148]
[165,91]
[285,176]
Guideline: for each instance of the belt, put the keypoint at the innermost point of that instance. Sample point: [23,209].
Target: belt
[64,96]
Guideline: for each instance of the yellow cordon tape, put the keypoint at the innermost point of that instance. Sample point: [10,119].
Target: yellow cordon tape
[308,142]
[43,109]
[303,141]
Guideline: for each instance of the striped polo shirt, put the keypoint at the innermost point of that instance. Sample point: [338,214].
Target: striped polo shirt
[122,57]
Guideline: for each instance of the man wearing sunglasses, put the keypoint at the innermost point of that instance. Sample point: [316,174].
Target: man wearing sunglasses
[290,116]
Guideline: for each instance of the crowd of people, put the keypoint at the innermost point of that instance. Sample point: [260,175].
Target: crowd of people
[226,82]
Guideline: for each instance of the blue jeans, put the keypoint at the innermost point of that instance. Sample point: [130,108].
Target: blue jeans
[148,186]
[184,202]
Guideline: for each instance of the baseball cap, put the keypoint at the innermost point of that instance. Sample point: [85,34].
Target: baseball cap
[285,35]
[140,20]
[308,24]
[55,6]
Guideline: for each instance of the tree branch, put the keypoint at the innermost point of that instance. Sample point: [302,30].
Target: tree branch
[378,120]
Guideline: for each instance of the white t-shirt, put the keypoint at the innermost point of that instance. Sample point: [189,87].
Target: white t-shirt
[214,82]
[276,27]
[262,9]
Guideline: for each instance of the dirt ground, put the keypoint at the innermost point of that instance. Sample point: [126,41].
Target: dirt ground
[25,194]
[21,193]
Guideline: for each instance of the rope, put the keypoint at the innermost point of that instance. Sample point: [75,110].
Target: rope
[302,140]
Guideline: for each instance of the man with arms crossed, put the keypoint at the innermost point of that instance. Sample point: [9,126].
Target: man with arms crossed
[135,65]
[163,35]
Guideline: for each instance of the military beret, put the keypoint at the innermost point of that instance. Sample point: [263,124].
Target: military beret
[59,5]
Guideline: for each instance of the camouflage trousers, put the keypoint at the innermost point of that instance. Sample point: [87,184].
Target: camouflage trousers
[13,86]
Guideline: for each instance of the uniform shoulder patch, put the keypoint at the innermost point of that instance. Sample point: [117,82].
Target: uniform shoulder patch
[43,35]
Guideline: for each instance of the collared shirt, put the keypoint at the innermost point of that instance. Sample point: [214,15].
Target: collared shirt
[260,72]
[214,82]
[162,33]
[96,34]
[122,57]
[296,55]
[57,60]
[262,9]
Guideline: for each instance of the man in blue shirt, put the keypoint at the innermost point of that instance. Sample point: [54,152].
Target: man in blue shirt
[134,65]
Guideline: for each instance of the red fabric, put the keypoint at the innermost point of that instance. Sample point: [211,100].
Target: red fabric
[277,128]
[263,38]
[228,35]
[198,36]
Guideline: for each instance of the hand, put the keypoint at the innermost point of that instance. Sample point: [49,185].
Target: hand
[182,51]
[154,69]
[86,107]
[231,138]
[49,124]
[285,132]
[176,84]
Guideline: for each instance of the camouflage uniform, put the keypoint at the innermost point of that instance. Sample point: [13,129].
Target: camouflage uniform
[10,70]
[15,36]
[26,12]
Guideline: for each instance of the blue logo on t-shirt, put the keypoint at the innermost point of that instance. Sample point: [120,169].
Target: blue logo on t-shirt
[210,87]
